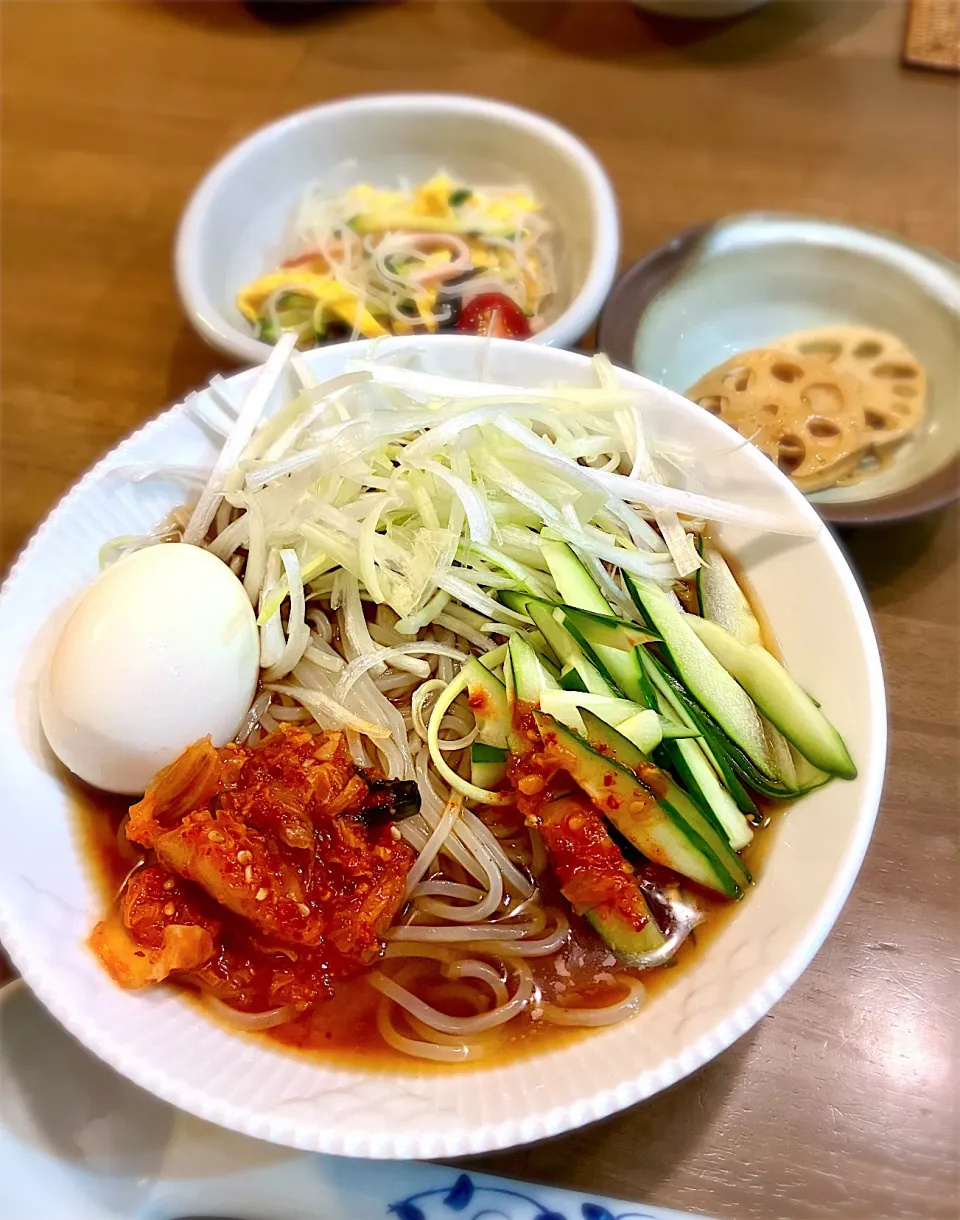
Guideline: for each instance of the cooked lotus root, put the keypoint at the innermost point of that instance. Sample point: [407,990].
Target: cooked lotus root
[893,379]
[804,414]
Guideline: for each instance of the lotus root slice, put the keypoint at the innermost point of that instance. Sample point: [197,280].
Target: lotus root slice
[804,414]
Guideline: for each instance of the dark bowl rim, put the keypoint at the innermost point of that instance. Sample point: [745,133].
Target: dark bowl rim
[644,280]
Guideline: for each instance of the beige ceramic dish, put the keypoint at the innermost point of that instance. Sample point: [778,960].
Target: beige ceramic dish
[744,281]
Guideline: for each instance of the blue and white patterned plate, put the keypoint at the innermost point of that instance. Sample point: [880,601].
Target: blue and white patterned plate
[78,1142]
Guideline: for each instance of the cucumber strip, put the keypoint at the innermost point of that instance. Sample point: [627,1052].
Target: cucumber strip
[671,730]
[711,739]
[490,699]
[782,700]
[782,752]
[643,728]
[703,675]
[809,778]
[544,651]
[571,680]
[690,760]
[604,630]
[722,601]
[569,651]
[494,658]
[530,679]
[667,829]
[691,765]
[629,947]
[639,725]
[516,600]
[577,588]
[488,765]
[488,702]
[633,758]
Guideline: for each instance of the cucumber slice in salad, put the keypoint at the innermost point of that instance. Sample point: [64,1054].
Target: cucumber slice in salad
[487,697]
[639,725]
[703,675]
[722,601]
[579,590]
[603,630]
[711,741]
[782,700]
[667,829]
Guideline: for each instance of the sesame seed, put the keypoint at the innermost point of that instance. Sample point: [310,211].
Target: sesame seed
[215,836]
[244,857]
[169,909]
[303,909]
[395,833]
[169,884]
[248,875]
[261,893]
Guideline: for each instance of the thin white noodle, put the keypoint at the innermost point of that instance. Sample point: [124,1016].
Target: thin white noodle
[421,866]
[471,934]
[249,1021]
[252,718]
[527,948]
[448,889]
[611,1014]
[483,971]
[480,642]
[458,1025]
[472,832]
[419,1049]
[382,656]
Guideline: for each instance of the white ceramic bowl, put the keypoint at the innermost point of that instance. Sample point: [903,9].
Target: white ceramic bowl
[742,281]
[48,902]
[233,226]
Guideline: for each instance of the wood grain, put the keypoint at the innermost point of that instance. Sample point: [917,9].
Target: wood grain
[842,1103]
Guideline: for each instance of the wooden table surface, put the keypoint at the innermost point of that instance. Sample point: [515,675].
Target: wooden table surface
[842,1102]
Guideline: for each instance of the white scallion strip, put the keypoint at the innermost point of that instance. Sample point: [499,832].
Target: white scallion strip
[238,438]
[387,656]
[298,633]
[333,714]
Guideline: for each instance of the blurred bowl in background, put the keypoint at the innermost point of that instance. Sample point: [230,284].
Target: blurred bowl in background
[233,227]
[699,10]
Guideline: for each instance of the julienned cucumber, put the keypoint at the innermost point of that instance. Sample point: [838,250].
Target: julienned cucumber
[488,765]
[780,698]
[711,741]
[703,675]
[606,739]
[668,828]
[578,589]
[604,630]
[491,710]
[529,676]
[722,601]
[568,650]
[639,725]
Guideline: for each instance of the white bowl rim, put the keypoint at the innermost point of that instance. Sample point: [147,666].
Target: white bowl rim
[532,1125]
[580,314]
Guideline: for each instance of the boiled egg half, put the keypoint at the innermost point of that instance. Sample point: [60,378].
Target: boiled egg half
[159,652]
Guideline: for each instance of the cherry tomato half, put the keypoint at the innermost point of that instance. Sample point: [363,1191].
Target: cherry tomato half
[492,313]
